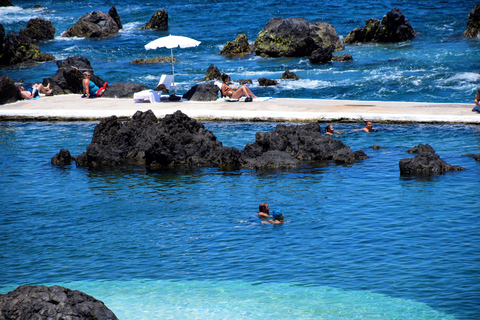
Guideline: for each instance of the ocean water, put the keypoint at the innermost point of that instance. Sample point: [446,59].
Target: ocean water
[440,65]
[360,241]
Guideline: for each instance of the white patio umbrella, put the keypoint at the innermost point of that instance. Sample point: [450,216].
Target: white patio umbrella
[171,42]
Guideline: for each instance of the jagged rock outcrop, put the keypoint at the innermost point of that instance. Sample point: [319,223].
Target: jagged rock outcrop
[6,3]
[175,141]
[202,92]
[68,80]
[264,82]
[323,54]
[426,163]
[41,302]
[287,75]
[153,60]
[62,158]
[237,48]
[39,29]
[8,90]
[16,48]
[159,21]
[394,27]
[213,73]
[123,89]
[303,142]
[95,24]
[115,16]
[294,37]
[473,23]
[179,141]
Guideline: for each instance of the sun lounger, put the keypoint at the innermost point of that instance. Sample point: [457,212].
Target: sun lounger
[146,95]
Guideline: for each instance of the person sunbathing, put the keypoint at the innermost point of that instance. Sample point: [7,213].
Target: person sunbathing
[35,91]
[234,92]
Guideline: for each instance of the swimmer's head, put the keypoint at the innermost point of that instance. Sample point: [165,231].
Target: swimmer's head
[277,215]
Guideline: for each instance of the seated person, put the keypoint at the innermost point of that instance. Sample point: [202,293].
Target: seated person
[477,101]
[35,91]
[234,92]
[90,89]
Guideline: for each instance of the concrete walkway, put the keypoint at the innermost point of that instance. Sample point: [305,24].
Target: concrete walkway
[72,107]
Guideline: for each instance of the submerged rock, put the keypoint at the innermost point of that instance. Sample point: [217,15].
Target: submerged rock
[95,24]
[473,23]
[425,163]
[238,47]
[62,158]
[41,302]
[394,27]
[39,29]
[153,60]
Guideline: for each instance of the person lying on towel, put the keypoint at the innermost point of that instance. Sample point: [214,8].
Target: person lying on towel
[34,91]
[234,92]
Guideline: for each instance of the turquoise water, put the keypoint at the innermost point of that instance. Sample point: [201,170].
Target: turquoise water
[361,242]
[440,65]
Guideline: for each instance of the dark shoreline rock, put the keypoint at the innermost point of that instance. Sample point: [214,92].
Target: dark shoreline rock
[8,90]
[426,163]
[473,23]
[42,302]
[16,48]
[158,21]
[202,92]
[95,24]
[67,80]
[213,73]
[294,37]
[178,141]
[123,90]
[237,48]
[153,60]
[62,158]
[394,27]
[287,75]
[39,29]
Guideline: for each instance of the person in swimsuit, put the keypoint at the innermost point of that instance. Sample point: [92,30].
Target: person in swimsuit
[35,91]
[477,101]
[277,218]
[368,127]
[329,130]
[234,92]
[89,87]
[263,210]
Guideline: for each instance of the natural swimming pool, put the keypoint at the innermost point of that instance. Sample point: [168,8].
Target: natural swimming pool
[361,241]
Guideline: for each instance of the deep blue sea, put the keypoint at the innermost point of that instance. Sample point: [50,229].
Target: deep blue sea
[440,65]
[360,242]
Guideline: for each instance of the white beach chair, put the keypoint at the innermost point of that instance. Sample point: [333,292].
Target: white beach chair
[167,80]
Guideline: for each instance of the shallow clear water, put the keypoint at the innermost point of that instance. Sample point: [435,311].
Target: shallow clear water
[440,65]
[360,242]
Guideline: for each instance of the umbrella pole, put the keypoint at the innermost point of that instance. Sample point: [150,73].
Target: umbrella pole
[173,74]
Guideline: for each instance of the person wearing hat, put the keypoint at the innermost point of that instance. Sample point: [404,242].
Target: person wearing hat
[277,218]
